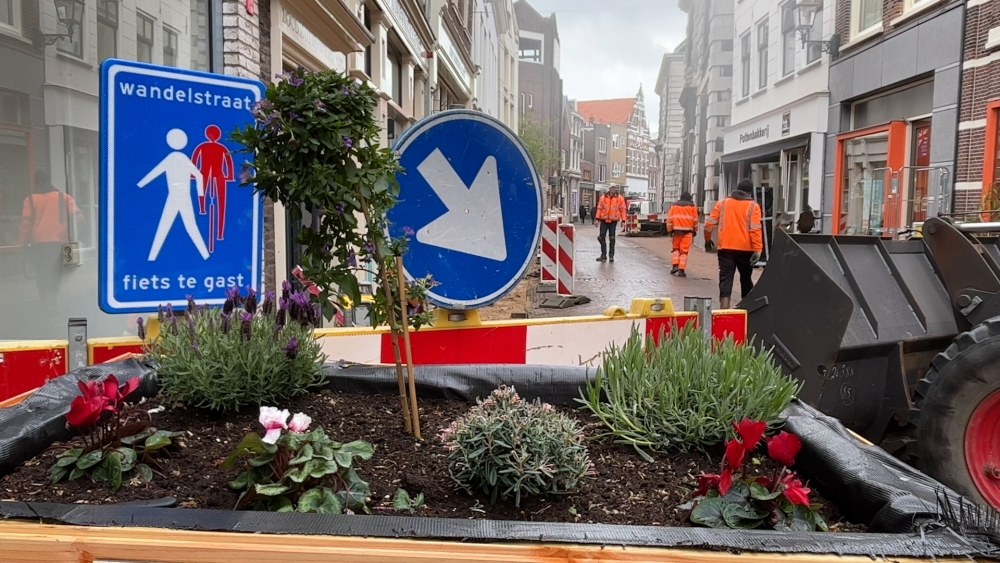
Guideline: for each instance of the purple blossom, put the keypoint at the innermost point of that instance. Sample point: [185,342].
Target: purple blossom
[292,348]
[320,106]
[296,81]
[282,303]
[352,259]
[190,321]
[141,328]
[190,303]
[246,323]
[268,307]
[225,323]
[279,319]
[348,142]
[250,303]
[300,299]
[408,231]
[338,208]
[293,116]
[246,174]
[233,293]
[159,314]
[286,285]
[283,75]
[270,118]
[346,90]
[369,247]
[196,348]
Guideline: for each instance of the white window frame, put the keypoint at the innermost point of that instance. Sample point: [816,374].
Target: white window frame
[746,66]
[602,173]
[788,38]
[856,30]
[602,145]
[763,52]
[616,140]
[15,27]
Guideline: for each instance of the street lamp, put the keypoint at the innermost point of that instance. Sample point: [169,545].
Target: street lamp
[806,12]
[70,15]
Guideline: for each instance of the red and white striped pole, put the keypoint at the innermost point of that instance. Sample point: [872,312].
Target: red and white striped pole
[550,250]
[567,260]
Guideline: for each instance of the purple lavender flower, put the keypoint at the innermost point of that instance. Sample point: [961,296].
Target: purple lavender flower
[283,304]
[348,142]
[173,325]
[141,328]
[246,323]
[250,302]
[196,348]
[408,231]
[246,174]
[279,319]
[227,307]
[292,348]
[338,208]
[233,293]
[300,299]
[286,286]
[190,321]
[159,314]
[320,106]
[268,307]
[225,323]
[190,303]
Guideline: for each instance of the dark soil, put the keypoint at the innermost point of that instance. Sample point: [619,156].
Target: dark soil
[626,490]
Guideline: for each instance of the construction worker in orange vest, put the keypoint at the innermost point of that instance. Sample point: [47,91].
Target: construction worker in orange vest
[741,239]
[610,210]
[682,223]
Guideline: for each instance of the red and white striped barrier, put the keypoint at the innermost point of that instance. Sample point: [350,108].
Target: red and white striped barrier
[550,250]
[631,223]
[575,341]
[565,285]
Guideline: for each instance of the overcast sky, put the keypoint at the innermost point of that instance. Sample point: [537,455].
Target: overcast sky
[609,47]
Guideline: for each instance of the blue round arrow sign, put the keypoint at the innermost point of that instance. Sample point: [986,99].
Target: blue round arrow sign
[471,206]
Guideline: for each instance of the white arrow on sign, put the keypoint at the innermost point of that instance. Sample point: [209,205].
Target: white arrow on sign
[474,221]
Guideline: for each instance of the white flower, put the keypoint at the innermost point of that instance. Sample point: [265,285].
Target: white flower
[300,423]
[273,421]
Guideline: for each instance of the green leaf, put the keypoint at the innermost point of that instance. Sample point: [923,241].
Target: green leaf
[321,468]
[128,458]
[250,444]
[240,482]
[157,441]
[401,500]
[343,458]
[113,467]
[305,454]
[320,500]
[359,448]
[742,516]
[144,472]
[280,504]
[271,490]
[356,495]
[56,473]
[89,460]
[739,492]
[65,460]
[708,512]
[136,438]
[760,492]
[77,473]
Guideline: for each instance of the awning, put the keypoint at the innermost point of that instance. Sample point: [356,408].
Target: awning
[767,150]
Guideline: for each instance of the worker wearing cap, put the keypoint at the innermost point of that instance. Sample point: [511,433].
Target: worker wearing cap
[610,210]
[741,239]
[682,222]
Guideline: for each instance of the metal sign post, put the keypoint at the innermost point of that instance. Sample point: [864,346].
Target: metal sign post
[471,204]
[174,220]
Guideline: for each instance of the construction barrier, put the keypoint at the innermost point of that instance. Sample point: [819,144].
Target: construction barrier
[550,246]
[631,223]
[572,341]
[567,260]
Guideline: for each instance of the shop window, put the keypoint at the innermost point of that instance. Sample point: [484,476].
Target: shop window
[866,16]
[72,42]
[745,64]
[864,172]
[788,38]
[762,54]
[530,49]
[10,15]
[144,38]
[169,46]
[107,29]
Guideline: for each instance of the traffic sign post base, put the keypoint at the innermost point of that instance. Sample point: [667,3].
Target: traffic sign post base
[448,318]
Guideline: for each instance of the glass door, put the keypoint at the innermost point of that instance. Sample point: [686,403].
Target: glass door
[918,184]
[862,193]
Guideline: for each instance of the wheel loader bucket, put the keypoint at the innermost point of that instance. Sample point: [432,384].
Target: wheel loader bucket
[840,313]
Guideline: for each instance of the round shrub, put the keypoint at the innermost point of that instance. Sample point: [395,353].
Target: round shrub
[244,354]
[506,446]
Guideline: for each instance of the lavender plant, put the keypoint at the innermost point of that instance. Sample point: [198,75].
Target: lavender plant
[506,446]
[247,353]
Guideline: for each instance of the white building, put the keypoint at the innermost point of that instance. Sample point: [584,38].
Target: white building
[780,108]
[486,54]
[508,32]
[670,134]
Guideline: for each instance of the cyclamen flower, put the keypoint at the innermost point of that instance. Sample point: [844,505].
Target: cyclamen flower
[784,447]
[300,423]
[292,348]
[273,421]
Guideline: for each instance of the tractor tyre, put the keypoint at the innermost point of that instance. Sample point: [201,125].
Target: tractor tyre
[958,427]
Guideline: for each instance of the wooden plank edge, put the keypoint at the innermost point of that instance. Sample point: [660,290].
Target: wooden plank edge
[24,542]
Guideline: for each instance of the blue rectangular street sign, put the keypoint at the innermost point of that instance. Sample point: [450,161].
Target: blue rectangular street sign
[174,220]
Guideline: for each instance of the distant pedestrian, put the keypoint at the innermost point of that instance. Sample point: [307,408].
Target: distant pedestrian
[583,214]
[45,227]
[806,222]
[741,239]
[610,210]
[682,223]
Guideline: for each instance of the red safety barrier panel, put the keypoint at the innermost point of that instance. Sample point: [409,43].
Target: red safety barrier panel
[730,323]
[101,354]
[500,345]
[27,369]
[656,325]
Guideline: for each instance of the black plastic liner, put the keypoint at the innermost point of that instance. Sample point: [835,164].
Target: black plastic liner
[900,505]
[938,543]
[29,427]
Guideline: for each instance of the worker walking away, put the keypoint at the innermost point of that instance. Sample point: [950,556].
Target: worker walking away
[741,239]
[45,226]
[682,223]
[610,210]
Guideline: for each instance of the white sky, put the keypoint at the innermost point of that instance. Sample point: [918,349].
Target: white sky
[609,47]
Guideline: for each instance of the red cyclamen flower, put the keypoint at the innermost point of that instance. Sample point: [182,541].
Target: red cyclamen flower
[794,490]
[734,454]
[725,482]
[750,432]
[706,481]
[784,447]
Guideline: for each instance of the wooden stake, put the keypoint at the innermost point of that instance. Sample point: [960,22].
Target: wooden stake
[394,336]
[404,304]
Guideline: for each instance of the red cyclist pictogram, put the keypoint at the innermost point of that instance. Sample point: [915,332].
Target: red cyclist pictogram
[216,165]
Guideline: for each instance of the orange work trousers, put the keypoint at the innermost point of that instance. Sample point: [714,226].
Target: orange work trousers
[682,245]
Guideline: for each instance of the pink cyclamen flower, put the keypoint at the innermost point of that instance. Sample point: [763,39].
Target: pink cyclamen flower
[300,423]
[273,421]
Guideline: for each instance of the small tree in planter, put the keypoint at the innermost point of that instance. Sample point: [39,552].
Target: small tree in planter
[316,150]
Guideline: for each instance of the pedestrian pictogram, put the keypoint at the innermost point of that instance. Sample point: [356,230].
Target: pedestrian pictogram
[174,220]
[471,202]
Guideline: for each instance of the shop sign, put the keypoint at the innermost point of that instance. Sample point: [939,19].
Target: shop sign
[756,135]
[293,28]
[786,123]
[454,57]
[403,24]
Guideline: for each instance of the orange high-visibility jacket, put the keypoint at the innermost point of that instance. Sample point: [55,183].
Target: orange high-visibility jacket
[44,217]
[739,220]
[682,216]
[610,208]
